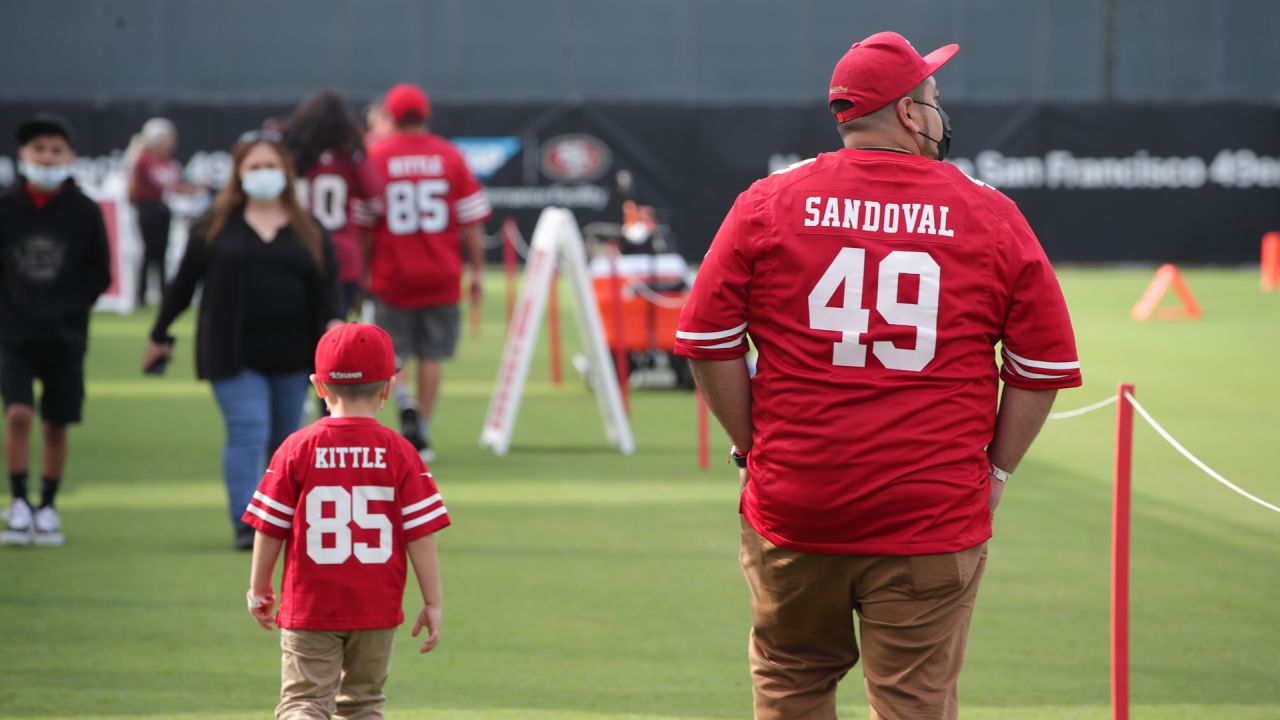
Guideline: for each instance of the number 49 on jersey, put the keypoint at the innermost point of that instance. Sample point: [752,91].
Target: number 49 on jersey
[852,320]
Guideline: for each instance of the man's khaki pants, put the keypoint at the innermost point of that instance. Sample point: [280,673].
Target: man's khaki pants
[914,616]
[327,673]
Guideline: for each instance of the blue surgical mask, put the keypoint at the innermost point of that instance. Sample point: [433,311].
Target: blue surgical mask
[263,184]
[45,177]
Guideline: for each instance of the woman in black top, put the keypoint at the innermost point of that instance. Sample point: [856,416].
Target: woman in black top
[269,291]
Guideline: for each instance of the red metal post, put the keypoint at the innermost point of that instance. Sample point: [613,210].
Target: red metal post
[509,229]
[1120,558]
[553,329]
[475,318]
[619,337]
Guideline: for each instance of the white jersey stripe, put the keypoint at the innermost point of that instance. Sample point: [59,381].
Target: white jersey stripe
[269,518]
[475,196]
[710,335]
[1034,376]
[279,507]
[420,505]
[425,518]
[732,343]
[1040,363]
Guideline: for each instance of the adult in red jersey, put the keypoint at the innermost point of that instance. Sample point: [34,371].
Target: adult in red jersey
[154,175]
[348,499]
[430,206]
[323,136]
[875,283]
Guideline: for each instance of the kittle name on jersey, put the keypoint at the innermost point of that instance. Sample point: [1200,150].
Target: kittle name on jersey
[350,457]
[415,165]
[875,216]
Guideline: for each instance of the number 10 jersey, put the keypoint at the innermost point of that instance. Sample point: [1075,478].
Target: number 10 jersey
[875,287]
[347,495]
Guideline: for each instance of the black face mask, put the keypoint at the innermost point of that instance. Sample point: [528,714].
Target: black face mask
[944,144]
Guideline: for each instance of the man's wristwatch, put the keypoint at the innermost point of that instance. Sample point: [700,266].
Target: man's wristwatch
[737,459]
[998,474]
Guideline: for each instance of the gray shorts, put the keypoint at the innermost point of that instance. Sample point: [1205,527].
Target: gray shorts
[429,332]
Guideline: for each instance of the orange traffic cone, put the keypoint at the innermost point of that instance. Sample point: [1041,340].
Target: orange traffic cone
[1167,276]
[1270,261]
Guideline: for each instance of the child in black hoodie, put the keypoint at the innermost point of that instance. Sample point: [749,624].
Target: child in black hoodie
[54,263]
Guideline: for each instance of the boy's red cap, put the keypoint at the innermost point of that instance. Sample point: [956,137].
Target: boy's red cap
[880,69]
[407,100]
[353,353]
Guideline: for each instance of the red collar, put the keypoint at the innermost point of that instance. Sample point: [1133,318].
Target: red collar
[39,197]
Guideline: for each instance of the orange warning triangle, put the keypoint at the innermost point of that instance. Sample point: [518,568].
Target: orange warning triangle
[1167,276]
[1270,261]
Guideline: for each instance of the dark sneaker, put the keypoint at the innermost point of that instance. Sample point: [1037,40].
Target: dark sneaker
[409,422]
[244,537]
[409,428]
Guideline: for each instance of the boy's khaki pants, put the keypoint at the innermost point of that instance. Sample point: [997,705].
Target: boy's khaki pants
[328,673]
[914,616]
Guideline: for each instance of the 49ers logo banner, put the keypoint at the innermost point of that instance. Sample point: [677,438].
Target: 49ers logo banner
[1096,182]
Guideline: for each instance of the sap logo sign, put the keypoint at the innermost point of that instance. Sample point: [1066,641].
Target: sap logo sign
[576,158]
[485,156]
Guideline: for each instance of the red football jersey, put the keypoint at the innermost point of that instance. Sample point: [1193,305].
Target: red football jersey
[875,286]
[153,177]
[347,495]
[334,191]
[426,193]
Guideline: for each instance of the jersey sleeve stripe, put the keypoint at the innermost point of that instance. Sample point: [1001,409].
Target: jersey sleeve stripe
[717,335]
[1040,364]
[732,343]
[423,520]
[420,505]
[278,507]
[1034,376]
[269,517]
[473,211]
[475,197]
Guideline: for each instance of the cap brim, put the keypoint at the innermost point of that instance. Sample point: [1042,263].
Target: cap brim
[936,59]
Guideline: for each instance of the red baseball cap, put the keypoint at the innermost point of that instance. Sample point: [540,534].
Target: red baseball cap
[880,69]
[407,100]
[354,353]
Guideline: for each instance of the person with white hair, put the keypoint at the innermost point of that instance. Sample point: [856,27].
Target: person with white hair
[153,174]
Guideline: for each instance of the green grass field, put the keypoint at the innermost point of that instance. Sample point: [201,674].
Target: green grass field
[581,584]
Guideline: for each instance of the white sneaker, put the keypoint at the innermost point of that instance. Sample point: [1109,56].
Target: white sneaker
[20,524]
[48,527]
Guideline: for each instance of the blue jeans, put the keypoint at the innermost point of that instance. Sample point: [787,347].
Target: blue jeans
[259,412]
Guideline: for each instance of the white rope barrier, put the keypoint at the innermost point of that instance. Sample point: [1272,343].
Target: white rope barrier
[639,287]
[1194,460]
[1081,411]
[518,242]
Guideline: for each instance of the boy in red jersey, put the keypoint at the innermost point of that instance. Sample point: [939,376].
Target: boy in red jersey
[431,206]
[348,499]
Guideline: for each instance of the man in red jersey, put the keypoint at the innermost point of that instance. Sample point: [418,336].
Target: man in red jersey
[875,282]
[431,205]
[348,499]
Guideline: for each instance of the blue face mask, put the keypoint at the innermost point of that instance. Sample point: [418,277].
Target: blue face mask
[263,184]
[45,177]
